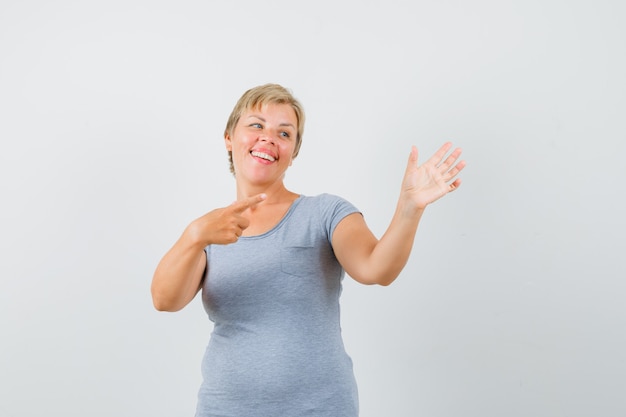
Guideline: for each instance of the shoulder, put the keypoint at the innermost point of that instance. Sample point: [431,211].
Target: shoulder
[325,200]
[326,210]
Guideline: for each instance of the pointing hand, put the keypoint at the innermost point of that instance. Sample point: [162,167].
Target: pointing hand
[224,225]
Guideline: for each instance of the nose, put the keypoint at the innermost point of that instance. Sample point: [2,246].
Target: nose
[267,138]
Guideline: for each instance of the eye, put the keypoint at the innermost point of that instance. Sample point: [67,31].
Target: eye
[257,125]
[285,134]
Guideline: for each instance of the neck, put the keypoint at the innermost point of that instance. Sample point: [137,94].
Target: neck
[276,192]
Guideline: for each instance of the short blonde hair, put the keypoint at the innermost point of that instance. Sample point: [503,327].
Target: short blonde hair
[258,97]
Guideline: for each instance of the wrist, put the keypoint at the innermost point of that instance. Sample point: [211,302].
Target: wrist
[193,237]
[406,208]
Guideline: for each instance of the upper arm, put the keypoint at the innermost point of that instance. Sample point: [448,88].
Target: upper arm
[196,281]
[353,243]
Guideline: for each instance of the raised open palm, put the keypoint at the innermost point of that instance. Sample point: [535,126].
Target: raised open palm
[426,183]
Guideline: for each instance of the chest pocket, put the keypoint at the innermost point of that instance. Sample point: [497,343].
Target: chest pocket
[299,256]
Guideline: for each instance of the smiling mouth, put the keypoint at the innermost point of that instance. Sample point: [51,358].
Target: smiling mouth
[263,155]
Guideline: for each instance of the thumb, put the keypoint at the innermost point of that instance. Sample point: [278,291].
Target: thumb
[242,205]
[412,163]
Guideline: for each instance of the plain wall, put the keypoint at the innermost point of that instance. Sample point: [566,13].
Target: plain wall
[111,122]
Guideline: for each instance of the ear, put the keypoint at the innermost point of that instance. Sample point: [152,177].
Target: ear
[292,158]
[228,143]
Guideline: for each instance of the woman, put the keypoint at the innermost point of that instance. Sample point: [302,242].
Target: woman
[270,267]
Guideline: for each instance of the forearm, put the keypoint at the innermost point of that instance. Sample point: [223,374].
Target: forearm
[178,276]
[372,261]
[391,253]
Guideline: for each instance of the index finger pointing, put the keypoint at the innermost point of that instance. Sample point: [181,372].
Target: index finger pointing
[241,205]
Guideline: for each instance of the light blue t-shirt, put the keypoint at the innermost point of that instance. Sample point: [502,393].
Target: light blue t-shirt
[276,349]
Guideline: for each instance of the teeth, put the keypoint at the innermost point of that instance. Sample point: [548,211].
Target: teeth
[263,155]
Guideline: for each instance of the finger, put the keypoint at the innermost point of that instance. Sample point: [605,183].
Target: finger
[438,156]
[233,236]
[450,160]
[455,185]
[242,223]
[454,171]
[412,158]
[240,206]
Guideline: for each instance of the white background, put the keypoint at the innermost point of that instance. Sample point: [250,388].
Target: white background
[111,121]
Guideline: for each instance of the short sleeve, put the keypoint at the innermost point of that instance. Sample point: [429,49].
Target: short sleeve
[334,210]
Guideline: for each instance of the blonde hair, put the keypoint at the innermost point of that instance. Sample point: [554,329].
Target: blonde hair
[258,97]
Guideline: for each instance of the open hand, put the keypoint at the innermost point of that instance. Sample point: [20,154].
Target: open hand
[426,183]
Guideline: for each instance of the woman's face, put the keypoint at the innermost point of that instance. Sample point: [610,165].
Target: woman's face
[263,142]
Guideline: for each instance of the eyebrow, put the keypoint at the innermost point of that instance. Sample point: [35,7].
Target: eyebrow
[263,120]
